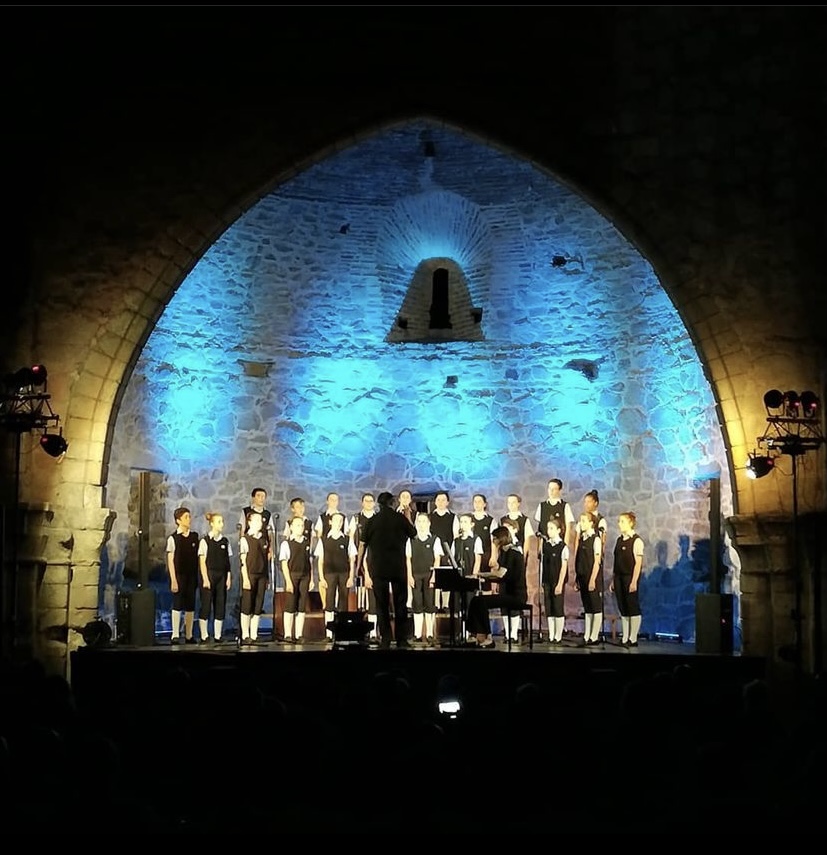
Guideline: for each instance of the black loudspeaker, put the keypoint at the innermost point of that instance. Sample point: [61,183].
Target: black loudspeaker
[136,617]
[713,623]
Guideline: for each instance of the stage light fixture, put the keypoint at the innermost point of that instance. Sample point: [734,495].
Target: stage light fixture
[759,465]
[773,399]
[476,315]
[22,379]
[39,375]
[97,633]
[792,404]
[809,405]
[350,630]
[53,444]
[402,322]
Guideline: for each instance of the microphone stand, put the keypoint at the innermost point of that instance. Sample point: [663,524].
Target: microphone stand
[452,598]
[541,596]
[272,559]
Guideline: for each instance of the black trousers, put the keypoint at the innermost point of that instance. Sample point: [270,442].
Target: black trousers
[214,598]
[424,599]
[336,582]
[628,602]
[386,590]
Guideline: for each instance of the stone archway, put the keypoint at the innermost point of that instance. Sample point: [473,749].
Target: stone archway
[340,406]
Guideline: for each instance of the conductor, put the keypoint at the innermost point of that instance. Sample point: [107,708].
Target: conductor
[385,536]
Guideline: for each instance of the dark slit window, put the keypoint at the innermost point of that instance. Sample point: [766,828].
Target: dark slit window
[440,316]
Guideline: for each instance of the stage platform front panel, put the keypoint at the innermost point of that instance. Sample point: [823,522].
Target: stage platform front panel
[319,673]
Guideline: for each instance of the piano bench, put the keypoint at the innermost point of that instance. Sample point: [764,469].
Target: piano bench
[526,615]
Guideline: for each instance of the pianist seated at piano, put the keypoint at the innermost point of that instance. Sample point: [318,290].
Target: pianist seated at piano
[512,592]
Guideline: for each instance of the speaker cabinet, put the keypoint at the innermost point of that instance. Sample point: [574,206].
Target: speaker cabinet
[713,623]
[136,617]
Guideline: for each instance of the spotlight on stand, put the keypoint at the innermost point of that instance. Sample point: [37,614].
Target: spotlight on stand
[54,444]
[476,315]
[39,375]
[402,322]
[758,465]
[792,405]
[773,400]
[809,405]
[25,406]
[793,428]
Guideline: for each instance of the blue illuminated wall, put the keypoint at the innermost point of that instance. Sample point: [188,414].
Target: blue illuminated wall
[272,363]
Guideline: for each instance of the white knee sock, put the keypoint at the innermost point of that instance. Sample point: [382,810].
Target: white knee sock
[419,619]
[300,625]
[634,627]
[176,623]
[288,624]
[254,620]
[218,626]
[597,625]
[624,629]
[205,632]
[245,625]
[559,628]
[328,618]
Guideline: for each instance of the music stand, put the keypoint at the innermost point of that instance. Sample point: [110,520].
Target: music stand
[451,579]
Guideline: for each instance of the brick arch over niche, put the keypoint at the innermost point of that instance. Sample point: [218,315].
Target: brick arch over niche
[438,306]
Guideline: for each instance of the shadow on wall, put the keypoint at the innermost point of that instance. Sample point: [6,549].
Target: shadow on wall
[668,592]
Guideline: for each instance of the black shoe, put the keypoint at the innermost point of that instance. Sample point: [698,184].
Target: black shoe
[175,641]
[403,643]
[219,640]
[489,645]
[631,644]
[299,640]
[384,645]
[191,641]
